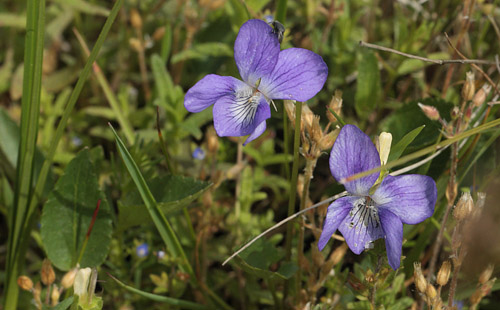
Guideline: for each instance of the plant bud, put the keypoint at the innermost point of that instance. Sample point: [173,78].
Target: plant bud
[431,292]
[469,87]
[486,274]
[455,112]
[480,96]
[212,140]
[420,281]
[335,105]
[444,273]
[307,119]
[69,278]
[316,132]
[25,283]
[37,292]
[290,110]
[464,207]
[451,192]
[159,33]
[135,44]
[384,142]
[468,114]
[54,296]
[431,112]
[47,274]
[135,19]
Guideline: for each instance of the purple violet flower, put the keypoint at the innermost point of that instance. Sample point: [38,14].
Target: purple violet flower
[242,107]
[142,250]
[362,217]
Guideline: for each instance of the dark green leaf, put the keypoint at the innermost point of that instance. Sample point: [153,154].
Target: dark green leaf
[368,84]
[67,215]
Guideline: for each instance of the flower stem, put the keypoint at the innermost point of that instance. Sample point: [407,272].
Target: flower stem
[310,165]
[293,185]
[281,11]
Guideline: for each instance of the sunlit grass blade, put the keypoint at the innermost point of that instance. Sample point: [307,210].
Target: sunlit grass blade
[164,299]
[32,83]
[162,225]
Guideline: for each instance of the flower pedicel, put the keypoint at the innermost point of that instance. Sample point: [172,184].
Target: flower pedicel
[242,107]
[363,217]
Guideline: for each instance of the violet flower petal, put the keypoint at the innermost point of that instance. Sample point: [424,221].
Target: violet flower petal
[335,214]
[393,229]
[237,118]
[299,75]
[256,133]
[360,227]
[256,50]
[354,152]
[411,197]
[208,90]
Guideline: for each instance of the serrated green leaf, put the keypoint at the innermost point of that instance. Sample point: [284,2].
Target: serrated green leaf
[402,144]
[68,212]
[172,192]
[368,84]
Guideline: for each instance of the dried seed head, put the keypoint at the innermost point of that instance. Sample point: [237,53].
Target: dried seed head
[135,19]
[335,105]
[384,142]
[338,254]
[315,130]
[444,273]
[431,292]
[486,274]
[307,119]
[328,140]
[431,112]
[480,96]
[47,273]
[25,283]
[420,281]
[469,87]
[54,296]
[69,278]
[290,110]
[464,207]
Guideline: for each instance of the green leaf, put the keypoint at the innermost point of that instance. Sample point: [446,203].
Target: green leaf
[204,51]
[410,65]
[63,305]
[172,193]
[400,147]
[368,84]
[85,7]
[409,116]
[67,214]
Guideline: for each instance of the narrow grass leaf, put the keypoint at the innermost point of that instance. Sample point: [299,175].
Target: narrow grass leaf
[400,147]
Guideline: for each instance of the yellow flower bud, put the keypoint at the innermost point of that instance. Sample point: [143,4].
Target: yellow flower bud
[431,292]
[54,296]
[69,278]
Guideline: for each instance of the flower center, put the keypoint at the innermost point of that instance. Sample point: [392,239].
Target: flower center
[245,107]
[364,213]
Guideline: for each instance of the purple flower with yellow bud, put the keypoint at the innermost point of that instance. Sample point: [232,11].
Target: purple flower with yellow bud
[242,107]
[369,212]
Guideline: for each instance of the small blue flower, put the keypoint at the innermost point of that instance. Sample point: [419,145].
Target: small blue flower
[160,254]
[142,250]
[242,107]
[362,217]
[199,153]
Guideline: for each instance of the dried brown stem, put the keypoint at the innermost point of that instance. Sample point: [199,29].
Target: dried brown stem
[434,61]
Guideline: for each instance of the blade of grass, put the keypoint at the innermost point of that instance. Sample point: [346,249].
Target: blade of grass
[25,229]
[113,102]
[32,83]
[162,225]
[168,300]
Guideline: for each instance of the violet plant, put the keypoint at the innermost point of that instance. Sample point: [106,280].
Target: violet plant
[242,107]
[363,217]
